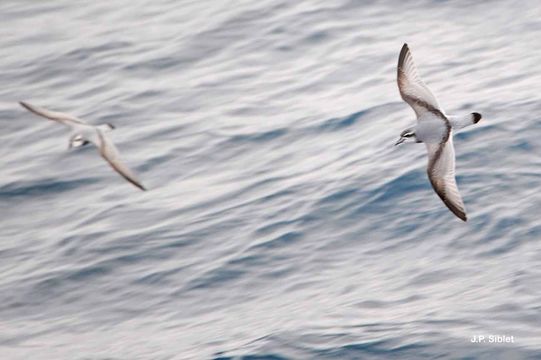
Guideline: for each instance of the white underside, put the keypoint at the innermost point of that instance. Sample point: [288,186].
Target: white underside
[430,129]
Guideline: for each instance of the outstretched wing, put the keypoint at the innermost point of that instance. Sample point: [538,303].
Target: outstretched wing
[109,152]
[62,118]
[412,89]
[441,172]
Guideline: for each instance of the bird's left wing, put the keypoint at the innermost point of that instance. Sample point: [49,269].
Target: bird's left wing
[441,172]
[109,152]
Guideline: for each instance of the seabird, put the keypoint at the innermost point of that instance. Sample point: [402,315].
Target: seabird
[435,129]
[83,133]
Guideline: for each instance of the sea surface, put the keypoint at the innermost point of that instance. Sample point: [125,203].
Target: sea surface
[280,220]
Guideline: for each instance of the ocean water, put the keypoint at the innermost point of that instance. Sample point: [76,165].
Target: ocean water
[280,221]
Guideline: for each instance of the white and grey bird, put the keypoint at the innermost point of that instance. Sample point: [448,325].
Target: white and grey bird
[83,133]
[435,129]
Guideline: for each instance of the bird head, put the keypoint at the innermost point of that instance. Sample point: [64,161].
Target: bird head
[407,135]
[77,141]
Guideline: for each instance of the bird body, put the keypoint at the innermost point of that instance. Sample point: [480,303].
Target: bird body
[435,129]
[430,129]
[83,133]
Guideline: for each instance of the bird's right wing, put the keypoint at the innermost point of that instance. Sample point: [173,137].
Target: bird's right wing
[109,152]
[412,89]
[441,172]
[62,118]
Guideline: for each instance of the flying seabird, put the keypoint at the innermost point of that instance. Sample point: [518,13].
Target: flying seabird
[83,133]
[435,129]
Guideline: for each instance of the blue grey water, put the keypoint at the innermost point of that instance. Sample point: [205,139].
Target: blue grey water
[281,222]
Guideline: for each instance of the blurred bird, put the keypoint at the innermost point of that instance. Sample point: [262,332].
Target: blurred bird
[434,128]
[83,133]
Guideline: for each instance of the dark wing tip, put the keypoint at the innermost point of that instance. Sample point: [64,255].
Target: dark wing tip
[458,212]
[403,54]
[24,105]
[132,181]
[31,108]
[476,117]
[454,209]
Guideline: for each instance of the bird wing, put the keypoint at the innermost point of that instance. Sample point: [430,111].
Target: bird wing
[62,118]
[412,89]
[441,172]
[109,152]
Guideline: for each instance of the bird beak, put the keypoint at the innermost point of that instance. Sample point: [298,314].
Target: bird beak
[400,141]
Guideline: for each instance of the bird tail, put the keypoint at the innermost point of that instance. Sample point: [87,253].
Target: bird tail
[106,127]
[459,122]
